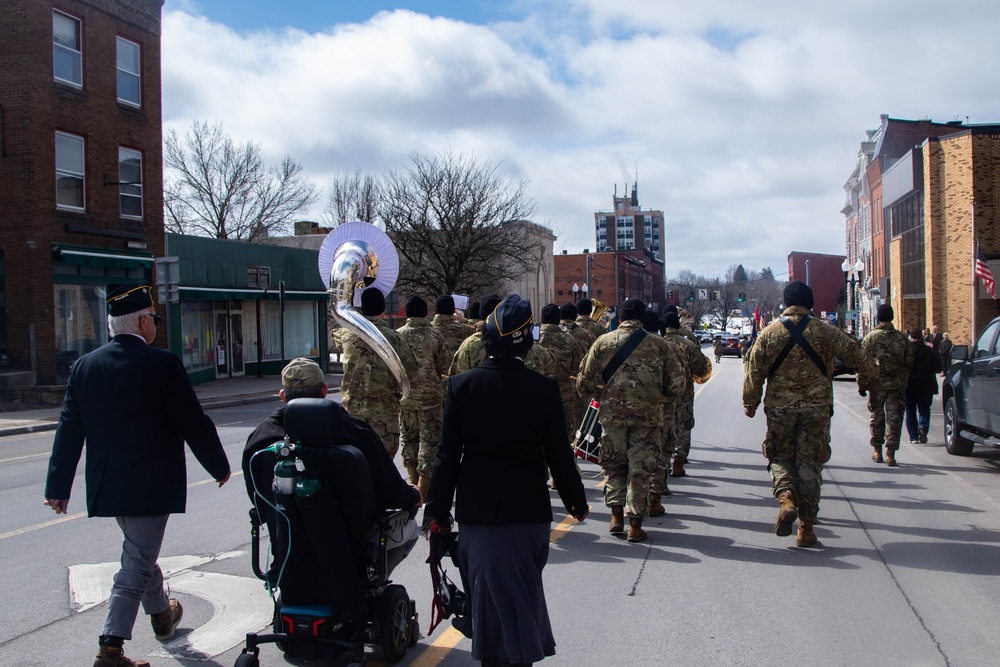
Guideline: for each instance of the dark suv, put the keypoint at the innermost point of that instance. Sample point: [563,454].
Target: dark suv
[971,394]
[731,345]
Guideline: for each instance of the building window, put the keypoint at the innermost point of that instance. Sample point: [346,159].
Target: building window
[128,72]
[69,171]
[130,182]
[67,49]
[81,324]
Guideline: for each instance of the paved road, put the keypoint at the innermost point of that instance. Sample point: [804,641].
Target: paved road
[906,572]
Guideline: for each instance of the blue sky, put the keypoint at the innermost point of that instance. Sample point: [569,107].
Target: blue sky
[742,119]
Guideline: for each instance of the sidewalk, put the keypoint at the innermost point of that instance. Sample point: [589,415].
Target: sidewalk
[218,394]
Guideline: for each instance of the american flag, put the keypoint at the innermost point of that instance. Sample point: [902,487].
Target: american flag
[983,271]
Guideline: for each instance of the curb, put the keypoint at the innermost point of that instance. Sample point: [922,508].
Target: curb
[30,428]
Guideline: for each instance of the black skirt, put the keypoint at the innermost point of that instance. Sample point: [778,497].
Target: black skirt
[502,567]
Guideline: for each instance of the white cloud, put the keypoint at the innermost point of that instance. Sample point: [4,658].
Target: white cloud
[742,120]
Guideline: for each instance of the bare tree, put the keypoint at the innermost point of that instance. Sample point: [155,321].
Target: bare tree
[452,219]
[352,197]
[214,187]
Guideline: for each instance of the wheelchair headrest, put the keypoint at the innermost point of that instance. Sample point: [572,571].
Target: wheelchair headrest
[315,422]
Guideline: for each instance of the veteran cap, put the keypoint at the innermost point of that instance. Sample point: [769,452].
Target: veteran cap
[130,298]
[510,322]
[301,373]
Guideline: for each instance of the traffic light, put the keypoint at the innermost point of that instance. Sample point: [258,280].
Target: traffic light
[691,295]
[670,296]
[742,296]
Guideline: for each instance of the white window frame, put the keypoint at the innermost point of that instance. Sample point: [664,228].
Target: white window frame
[66,172]
[78,52]
[126,188]
[121,71]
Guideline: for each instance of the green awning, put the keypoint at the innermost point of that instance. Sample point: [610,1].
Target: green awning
[86,256]
[237,294]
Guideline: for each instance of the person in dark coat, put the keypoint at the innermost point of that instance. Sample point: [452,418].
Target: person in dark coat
[134,406]
[503,424]
[921,387]
[945,352]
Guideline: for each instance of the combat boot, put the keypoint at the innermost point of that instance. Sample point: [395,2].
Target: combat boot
[424,484]
[678,470]
[617,524]
[411,471]
[635,531]
[877,456]
[114,656]
[890,458]
[656,508]
[786,515]
[167,620]
[806,536]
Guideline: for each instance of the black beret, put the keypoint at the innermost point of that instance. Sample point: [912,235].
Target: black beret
[130,298]
[584,306]
[550,314]
[473,310]
[372,302]
[510,323]
[567,311]
[797,293]
[885,313]
[669,308]
[633,309]
[444,305]
[672,321]
[488,305]
[415,307]
[652,322]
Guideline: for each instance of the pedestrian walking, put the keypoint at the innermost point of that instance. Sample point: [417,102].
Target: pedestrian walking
[921,387]
[134,407]
[945,352]
[887,394]
[695,364]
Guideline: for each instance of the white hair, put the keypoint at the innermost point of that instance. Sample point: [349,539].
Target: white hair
[119,324]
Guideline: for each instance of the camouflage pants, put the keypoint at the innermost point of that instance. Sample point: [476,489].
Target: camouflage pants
[796,447]
[384,420]
[683,424]
[419,431]
[886,423]
[628,457]
[571,411]
[668,440]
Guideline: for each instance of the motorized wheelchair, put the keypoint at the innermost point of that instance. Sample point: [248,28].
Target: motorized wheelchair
[335,593]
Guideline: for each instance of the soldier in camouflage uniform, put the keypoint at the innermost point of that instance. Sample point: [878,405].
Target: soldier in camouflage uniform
[453,331]
[632,409]
[568,315]
[568,353]
[422,410]
[695,363]
[658,482]
[369,389]
[471,352]
[887,397]
[584,307]
[686,320]
[798,405]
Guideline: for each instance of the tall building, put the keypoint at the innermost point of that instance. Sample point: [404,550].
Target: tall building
[628,226]
[81,206]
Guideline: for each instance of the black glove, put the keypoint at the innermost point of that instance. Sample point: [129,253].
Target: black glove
[862,392]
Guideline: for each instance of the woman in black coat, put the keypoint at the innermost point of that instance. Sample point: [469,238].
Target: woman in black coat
[503,425]
[921,388]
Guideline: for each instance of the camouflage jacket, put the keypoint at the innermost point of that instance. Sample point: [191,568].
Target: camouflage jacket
[687,333]
[582,335]
[428,385]
[695,363]
[472,352]
[369,388]
[590,325]
[453,331]
[567,354]
[798,382]
[639,391]
[891,349]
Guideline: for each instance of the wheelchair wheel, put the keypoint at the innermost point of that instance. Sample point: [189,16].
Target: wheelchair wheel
[247,660]
[278,626]
[394,621]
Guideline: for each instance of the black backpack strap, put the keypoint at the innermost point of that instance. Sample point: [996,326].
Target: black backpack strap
[623,354]
[796,331]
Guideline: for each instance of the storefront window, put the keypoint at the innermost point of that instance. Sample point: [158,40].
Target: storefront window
[81,323]
[197,334]
[301,327]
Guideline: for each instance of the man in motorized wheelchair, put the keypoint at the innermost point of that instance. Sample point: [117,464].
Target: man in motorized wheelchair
[327,489]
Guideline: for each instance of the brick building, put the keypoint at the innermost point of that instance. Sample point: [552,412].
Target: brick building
[610,277]
[81,207]
[823,273]
[628,226]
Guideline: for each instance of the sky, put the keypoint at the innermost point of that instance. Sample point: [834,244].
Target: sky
[740,119]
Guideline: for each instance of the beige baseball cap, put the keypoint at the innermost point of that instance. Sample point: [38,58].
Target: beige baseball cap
[300,373]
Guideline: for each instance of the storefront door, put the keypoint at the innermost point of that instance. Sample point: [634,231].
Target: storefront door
[228,344]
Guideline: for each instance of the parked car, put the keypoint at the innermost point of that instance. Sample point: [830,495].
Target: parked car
[731,346]
[971,394]
[840,368]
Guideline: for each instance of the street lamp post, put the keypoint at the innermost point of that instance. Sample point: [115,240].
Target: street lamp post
[576,291]
[852,277]
[584,290]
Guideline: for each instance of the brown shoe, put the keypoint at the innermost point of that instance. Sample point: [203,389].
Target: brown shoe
[877,456]
[110,656]
[166,621]
[617,524]
[806,536]
[890,458]
[678,470]
[635,531]
[786,515]
[656,508]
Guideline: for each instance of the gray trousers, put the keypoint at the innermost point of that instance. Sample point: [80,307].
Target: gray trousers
[139,581]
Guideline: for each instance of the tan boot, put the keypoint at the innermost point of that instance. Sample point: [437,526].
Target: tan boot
[424,484]
[108,656]
[617,524]
[877,456]
[890,457]
[786,515]
[806,536]
[678,470]
[656,508]
[411,471]
[635,531]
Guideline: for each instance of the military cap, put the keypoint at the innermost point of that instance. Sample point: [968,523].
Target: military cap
[130,298]
[415,307]
[567,311]
[550,314]
[584,306]
[669,308]
[633,309]
[301,373]
[885,313]
[797,293]
[488,305]
[372,302]
[444,305]
[652,322]
[510,323]
[671,321]
[473,310]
